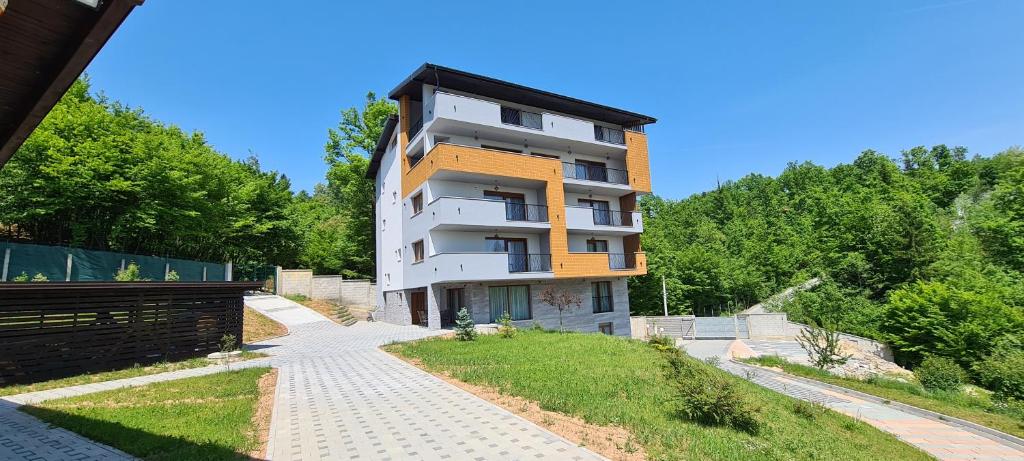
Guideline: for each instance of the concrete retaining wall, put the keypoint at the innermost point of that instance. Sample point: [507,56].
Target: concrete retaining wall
[356,293]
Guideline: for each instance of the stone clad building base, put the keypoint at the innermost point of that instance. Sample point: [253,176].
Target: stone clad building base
[476,299]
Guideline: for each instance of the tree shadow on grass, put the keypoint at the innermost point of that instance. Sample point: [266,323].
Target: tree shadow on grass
[142,444]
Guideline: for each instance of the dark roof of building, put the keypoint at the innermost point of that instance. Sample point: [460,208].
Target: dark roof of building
[446,77]
[382,146]
[45,45]
[432,74]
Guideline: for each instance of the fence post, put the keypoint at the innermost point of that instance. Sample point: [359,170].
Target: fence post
[204,273]
[735,327]
[7,263]
[67,277]
[228,268]
[167,270]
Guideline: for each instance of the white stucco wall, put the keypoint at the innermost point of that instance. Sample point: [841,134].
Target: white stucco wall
[389,223]
[578,242]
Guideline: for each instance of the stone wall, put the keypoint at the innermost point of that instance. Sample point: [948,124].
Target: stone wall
[395,309]
[295,282]
[355,293]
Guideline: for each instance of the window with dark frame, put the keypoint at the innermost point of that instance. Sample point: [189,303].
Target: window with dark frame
[511,299]
[597,246]
[417,251]
[606,328]
[417,203]
[602,296]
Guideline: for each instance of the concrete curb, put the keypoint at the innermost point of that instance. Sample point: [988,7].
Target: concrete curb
[984,431]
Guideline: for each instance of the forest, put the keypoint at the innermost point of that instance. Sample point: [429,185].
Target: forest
[100,175]
[924,251]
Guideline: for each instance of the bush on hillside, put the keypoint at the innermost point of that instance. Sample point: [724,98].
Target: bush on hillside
[940,373]
[707,395]
[1003,373]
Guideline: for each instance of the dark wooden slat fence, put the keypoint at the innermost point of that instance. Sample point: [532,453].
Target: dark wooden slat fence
[54,330]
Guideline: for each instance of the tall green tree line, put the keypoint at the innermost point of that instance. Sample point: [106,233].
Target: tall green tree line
[102,175]
[923,251]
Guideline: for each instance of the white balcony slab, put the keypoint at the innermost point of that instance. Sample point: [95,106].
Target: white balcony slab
[460,213]
[582,219]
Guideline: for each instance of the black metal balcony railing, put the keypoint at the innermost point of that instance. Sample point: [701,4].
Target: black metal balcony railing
[620,261]
[521,262]
[415,127]
[610,135]
[526,212]
[594,173]
[522,118]
[613,218]
[602,304]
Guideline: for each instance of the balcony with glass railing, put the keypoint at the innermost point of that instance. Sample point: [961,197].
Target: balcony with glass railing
[594,173]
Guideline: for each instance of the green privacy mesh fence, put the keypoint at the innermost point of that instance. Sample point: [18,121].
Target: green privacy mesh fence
[60,264]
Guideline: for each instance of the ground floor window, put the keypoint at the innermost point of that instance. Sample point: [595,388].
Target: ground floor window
[515,300]
[602,294]
[606,328]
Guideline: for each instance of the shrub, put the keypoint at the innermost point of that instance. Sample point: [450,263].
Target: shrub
[129,274]
[1003,373]
[822,346]
[506,330]
[809,410]
[20,278]
[297,297]
[706,397]
[172,276]
[940,373]
[39,277]
[662,343]
[465,330]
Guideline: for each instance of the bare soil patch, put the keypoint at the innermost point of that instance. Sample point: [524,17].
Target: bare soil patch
[261,417]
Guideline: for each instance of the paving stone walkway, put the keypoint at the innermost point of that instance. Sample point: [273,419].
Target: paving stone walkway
[943,440]
[340,397]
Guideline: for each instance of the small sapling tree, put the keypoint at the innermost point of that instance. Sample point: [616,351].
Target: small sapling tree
[561,300]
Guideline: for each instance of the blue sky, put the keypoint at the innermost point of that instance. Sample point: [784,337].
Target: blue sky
[737,86]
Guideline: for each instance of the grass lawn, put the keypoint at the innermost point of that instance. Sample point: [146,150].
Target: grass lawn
[257,327]
[204,418]
[116,374]
[612,381]
[977,408]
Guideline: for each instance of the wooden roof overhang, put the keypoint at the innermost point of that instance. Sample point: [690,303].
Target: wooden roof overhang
[44,46]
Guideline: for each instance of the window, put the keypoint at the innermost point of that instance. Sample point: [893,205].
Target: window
[417,203]
[597,246]
[417,251]
[602,211]
[606,328]
[514,300]
[602,294]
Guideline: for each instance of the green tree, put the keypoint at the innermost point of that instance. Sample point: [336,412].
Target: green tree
[348,150]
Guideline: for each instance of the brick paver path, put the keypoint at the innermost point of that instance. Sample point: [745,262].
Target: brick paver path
[340,397]
[943,440]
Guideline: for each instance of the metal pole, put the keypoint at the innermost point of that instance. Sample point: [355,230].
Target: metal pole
[664,296]
[67,278]
[7,263]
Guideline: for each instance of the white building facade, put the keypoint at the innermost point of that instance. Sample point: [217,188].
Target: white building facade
[489,194]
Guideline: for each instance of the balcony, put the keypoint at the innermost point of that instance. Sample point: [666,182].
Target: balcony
[621,261]
[604,265]
[475,266]
[594,173]
[468,116]
[609,135]
[603,222]
[510,116]
[465,213]
[533,262]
